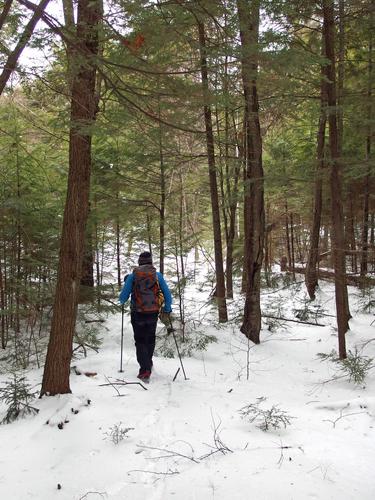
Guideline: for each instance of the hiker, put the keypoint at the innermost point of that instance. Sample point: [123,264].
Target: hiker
[148,291]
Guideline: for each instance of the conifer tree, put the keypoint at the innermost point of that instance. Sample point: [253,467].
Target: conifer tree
[83,108]
[248,15]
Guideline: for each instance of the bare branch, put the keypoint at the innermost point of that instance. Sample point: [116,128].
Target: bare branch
[13,57]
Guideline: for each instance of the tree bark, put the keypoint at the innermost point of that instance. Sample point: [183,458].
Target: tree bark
[118,249]
[366,200]
[232,191]
[13,57]
[292,239]
[338,238]
[219,267]
[287,235]
[149,235]
[2,307]
[59,353]
[87,275]
[248,15]
[69,29]
[351,230]
[311,277]
[162,201]
[340,76]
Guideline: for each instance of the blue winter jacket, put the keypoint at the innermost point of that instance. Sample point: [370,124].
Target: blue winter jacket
[128,287]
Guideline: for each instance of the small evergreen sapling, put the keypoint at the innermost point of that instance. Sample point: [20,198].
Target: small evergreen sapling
[367,299]
[266,419]
[117,433]
[87,334]
[355,366]
[17,395]
[190,341]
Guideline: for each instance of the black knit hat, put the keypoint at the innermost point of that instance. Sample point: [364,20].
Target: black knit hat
[145,258]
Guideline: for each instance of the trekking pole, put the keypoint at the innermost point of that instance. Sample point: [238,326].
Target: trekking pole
[172,330]
[122,334]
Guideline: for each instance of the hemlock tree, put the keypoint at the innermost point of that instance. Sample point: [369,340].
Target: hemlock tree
[83,107]
[369,154]
[219,268]
[311,275]
[248,15]
[338,240]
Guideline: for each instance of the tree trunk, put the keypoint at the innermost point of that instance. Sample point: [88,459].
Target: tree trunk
[18,241]
[162,201]
[149,235]
[233,202]
[268,228]
[340,76]
[292,238]
[372,240]
[219,268]
[69,30]
[2,307]
[338,239]
[311,277]
[87,275]
[365,224]
[181,226]
[287,236]
[351,230]
[248,15]
[83,104]
[118,251]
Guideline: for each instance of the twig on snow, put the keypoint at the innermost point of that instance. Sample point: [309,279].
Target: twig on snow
[168,473]
[120,383]
[334,422]
[292,320]
[219,446]
[285,447]
[171,453]
[103,495]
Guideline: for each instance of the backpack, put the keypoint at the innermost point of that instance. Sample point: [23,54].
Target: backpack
[147,295]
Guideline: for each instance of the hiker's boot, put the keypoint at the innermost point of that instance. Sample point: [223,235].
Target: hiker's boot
[144,374]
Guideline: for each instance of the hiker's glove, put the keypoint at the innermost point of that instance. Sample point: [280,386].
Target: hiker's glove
[165,318]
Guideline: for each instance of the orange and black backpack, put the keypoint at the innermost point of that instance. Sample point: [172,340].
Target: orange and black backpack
[147,296]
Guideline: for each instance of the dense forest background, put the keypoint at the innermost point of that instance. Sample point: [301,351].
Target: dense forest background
[240,130]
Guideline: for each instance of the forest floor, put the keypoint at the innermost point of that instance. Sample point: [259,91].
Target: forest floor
[187,439]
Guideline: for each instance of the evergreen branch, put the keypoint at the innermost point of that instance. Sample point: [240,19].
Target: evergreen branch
[149,114]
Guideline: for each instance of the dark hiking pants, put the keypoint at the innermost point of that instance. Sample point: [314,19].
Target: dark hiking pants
[144,327]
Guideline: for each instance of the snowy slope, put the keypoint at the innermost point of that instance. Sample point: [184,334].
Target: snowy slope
[327,452]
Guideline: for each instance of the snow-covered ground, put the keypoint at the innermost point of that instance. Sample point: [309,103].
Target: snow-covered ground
[187,439]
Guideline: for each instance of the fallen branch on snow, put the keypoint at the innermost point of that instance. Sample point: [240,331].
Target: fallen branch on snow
[171,453]
[334,422]
[292,320]
[121,383]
